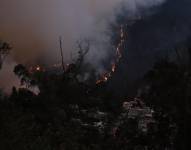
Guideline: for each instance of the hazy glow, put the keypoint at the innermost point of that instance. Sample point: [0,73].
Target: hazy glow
[33,26]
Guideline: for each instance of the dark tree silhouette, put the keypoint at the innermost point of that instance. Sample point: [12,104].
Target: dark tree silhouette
[4,51]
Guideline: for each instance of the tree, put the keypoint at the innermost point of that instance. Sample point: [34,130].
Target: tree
[169,92]
[4,51]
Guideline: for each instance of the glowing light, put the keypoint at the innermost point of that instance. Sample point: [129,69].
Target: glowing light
[106,76]
[38,68]
[113,67]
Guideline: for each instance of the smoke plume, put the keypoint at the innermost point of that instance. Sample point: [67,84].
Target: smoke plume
[33,26]
[7,77]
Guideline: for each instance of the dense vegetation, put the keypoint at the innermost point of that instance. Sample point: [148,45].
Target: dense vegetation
[74,114]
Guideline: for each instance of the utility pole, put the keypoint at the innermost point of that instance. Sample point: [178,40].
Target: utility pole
[61,53]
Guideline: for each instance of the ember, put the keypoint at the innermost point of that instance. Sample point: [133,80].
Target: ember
[38,68]
[105,77]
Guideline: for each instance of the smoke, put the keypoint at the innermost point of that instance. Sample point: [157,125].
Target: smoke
[33,27]
[7,77]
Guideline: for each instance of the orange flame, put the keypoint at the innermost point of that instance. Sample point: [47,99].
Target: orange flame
[106,76]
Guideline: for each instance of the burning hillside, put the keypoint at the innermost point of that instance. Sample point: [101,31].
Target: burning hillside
[81,102]
[103,77]
[118,54]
